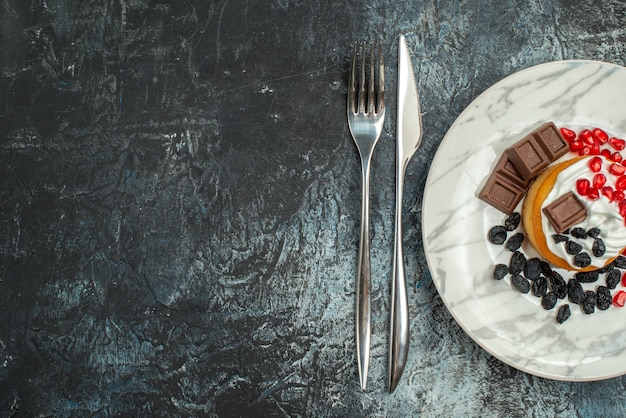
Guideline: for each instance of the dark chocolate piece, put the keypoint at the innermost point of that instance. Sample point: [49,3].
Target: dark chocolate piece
[501,193]
[551,141]
[528,157]
[519,164]
[507,169]
[565,212]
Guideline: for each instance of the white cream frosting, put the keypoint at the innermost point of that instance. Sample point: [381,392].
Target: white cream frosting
[601,214]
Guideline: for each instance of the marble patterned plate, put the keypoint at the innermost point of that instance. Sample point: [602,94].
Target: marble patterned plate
[511,326]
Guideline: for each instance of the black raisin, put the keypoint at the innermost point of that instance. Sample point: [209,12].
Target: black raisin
[606,268]
[500,271]
[588,304]
[497,235]
[573,248]
[559,238]
[558,285]
[579,233]
[517,263]
[563,313]
[594,232]
[620,262]
[515,242]
[603,298]
[575,291]
[587,276]
[582,259]
[512,222]
[545,268]
[598,248]
[520,283]
[613,278]
[532,269]
[548,301]
[539,287]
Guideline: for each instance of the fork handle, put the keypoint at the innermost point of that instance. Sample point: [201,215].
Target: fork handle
[399,332]
[363,287]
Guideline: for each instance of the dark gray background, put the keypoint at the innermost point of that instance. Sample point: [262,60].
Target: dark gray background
[180,203]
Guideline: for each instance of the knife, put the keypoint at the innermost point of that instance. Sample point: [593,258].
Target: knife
[409,136]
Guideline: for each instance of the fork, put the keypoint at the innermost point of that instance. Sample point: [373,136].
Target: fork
[366,114]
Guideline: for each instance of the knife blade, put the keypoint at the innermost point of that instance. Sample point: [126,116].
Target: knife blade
[409,136]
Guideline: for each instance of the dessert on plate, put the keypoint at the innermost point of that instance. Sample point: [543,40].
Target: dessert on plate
[570,189]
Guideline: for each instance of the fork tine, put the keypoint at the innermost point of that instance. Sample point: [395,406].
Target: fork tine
[371,97]
[381,80]
[352,81]
[362,80]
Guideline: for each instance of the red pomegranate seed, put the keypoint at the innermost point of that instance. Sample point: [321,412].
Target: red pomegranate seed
[595,149]
[606,153]
[607,191]
[575,146]
[619,299]
[593,194]
[585,150]
[622,212]
[618,144]
[595,164]
[599,136]
[599,180]
[618,195]
[617,169]
[583,186]
[617,157]
[620,183]
[586,137]
[568,135]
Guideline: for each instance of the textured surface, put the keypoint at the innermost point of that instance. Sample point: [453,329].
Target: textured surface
[180,201]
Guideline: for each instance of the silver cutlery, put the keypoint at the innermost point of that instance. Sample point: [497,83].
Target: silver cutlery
[366,114]
[409,135]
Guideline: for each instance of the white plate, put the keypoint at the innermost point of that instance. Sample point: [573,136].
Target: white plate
[511,326]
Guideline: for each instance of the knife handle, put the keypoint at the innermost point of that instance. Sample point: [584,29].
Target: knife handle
[399,332]
[363,288]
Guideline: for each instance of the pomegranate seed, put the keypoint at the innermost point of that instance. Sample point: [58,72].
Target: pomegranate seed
[622,212]
[585,137]
[618,144]
[618,195]
[599,180]
[568,135]
[607,191]
[575,146]
[595,164]
[620,183]
[617,157]
[585,150]
[617,169]
[599,136]
[595,149]
[583,186]
[606,153]
[624,279]
[619,299]
[593,194]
